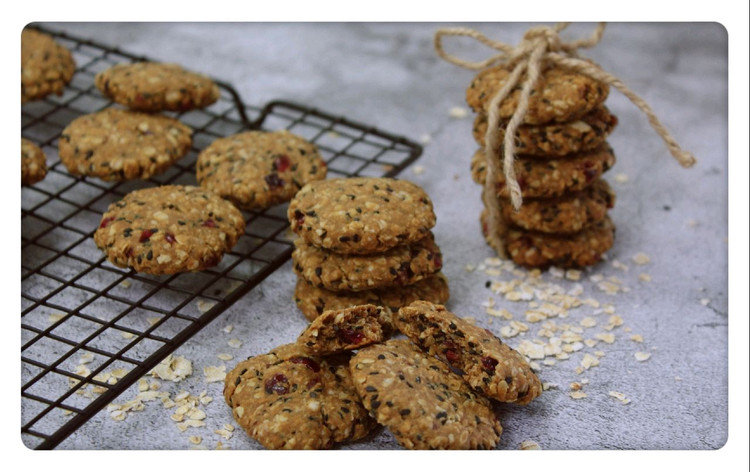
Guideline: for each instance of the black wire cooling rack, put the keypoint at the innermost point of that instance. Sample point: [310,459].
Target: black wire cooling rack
[83,318]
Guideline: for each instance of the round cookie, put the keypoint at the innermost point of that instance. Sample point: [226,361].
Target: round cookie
[46,66]
[555,139]
[563,215]
[33,163]
[346,329]
[559,95]
[313,301]
[420,400]
[116,144]
[155,86]
[490,366]
[169,229]
[539,250]
[399,266]
[361,215]
[259,169]
[549,177]
[288,399]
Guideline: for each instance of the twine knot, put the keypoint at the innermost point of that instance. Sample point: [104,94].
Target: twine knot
[541,47]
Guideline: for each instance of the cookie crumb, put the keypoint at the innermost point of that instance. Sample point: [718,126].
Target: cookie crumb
[642,356]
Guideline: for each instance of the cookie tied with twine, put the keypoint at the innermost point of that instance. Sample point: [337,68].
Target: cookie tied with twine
[540,49]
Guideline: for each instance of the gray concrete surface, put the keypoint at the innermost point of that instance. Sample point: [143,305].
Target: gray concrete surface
[388,75]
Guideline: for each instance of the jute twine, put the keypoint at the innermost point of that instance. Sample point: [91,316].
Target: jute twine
[540,48]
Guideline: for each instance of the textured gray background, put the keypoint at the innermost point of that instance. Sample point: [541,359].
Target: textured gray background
[388,75]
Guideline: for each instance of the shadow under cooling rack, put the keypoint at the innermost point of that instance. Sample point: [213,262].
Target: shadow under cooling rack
[89,329]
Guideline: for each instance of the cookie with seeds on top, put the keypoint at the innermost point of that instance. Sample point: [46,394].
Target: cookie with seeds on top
[555,139]
[156,86]
[289,399]
[399,266]
[549,178]
[313,301]
[33,163]
[346,329]
[567,214]
[116,144]
[490,366]
[259,169]
[46,66]
[361,215]
[420,400]
[533,249]
[560,95]
[169,229]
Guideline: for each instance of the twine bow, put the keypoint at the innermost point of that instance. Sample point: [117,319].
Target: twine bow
[541,47]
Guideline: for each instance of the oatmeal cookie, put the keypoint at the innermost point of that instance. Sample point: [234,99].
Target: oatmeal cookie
[288,399]
[46,66]
[420,400]
[116,144]
[169,229]
[539,250]
[155,86]
[33,163]
[555,139]
[490,366]
[549,177]
[313,301]
[567,214]
[560,95]
[399,266]
[346,329]
[259,169]
[361,215]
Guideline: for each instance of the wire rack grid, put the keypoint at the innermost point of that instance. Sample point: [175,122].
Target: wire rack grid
[89,329]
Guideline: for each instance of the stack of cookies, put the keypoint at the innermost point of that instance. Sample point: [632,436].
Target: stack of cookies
[561,155]
[364,240]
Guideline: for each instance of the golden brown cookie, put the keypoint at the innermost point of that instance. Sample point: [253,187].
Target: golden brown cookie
[46,66]
[346,329]
[312,301]
[288,399]
[361,215]
[549,177]
[169,229]
[155,86]
[259,169]
[560,95]
[399,266]
[540,250]
[555,139]
[33,163]
[490,366]
[116,144]
[567,214]
[420,400]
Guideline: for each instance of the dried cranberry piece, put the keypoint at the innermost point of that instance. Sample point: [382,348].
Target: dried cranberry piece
[489,364]
[274,181]
[209,223]
[129,252]
[438,260]
[169,237]
[452,356]
[307,362]
[145,235]
[282,163]
[106,221]
[590,174]
[313,382]
[350,336]
[405,274]
[276,384]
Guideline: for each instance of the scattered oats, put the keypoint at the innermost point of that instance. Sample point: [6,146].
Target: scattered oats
[127,335]
[590,342]
[125,283]
[677,378]
[589,361]
[153,321]
[225,357]
[549,386]
[501,313]
[529,445]
[609,309]
[608,287]
[531,349]
[549,362]
[535,316]
[492,272]
[641,259]
[227,435]
[333,134]
[458,112]
[577,395]
[597,278]
[55,317]
[557,272]
[534,366]
[508,332]
[418,170]
[644,277]
[197,415]
[692,223]
[236,343]
[85,358]
[173,368]
[642,356]
[621,178]
[588,322]
[65,412]
[705,301]
[619,265]
[599,353]
[142,385]
[562,356]
[215,373]
[425,139]
[572,347]
[637,338]
[118,415]
[206,400]
[573,274]
[227,329]
[205,305]
[591,302]
[619,396]
[469,268]
[195,439]
[608,338]
[575,386]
